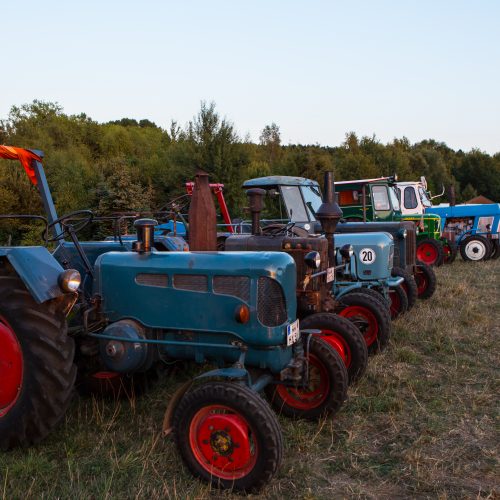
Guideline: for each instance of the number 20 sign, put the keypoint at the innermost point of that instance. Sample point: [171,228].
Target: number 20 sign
[367,255]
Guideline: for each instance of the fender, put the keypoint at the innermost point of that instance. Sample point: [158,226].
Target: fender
[38,270]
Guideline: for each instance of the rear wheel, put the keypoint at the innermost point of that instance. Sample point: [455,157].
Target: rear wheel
[495,253]
[228,436]
[37,373]
[450,252]
[345,338]
[409,285]
[372,319]
[430,252]
[475,248]
[326,388]
[399,301]
[426,280]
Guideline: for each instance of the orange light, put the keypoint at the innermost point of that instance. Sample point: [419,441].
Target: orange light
[242,314]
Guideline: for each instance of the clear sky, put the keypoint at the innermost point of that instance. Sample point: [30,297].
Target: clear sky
[415,68]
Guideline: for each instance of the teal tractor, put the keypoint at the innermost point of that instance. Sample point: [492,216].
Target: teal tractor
[129,309]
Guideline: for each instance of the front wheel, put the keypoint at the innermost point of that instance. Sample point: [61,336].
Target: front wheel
[409,285]
[344,337]
[37,373]
[373,319]
[228,436]
[475,248]
[449,252]
[399,301]
[326,385]
[426,280]
[430,252]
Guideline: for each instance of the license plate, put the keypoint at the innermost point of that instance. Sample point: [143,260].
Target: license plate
[292,333]
[330,274]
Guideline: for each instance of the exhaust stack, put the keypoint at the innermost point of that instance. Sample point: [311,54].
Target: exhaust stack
[202,216]
[329,214]
[255,198]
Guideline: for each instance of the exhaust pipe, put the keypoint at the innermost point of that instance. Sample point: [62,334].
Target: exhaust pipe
[255,198]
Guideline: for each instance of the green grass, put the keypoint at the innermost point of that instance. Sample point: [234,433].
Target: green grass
[422,423]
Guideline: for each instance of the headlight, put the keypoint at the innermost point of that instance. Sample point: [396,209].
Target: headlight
[403,233]
[313,260]
[70,280]
[347,251]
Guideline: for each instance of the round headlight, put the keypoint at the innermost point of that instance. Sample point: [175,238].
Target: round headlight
[70,280]
[347,251]
[403,233]
[313,260]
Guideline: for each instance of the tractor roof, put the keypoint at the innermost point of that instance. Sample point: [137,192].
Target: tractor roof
[25,156]
[279,180]
[366,181]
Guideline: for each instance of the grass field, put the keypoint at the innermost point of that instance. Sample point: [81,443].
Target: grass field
[423,422]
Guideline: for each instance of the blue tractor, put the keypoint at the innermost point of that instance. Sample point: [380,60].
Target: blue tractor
[125,309]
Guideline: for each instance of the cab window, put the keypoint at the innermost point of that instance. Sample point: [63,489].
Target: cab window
[410,198]
[393,194]
[294,203]
[312,198]
[380,198]
[423,196]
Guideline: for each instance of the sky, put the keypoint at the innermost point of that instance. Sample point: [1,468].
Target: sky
[319,69]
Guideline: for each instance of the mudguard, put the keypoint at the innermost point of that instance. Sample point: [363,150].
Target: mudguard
[37,268]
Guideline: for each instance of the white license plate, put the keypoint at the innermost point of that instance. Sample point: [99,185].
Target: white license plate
[330,274]
[292,333]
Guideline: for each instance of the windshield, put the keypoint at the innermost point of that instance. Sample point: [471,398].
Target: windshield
[312,198]
[294,203]
[423,196]
[394,198]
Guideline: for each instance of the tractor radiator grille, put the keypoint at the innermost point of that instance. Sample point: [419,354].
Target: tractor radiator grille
[411,246]
[158,280]
[271,303]
[191,282]
[237,286]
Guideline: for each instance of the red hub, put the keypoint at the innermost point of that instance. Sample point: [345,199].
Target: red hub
[427,253]
[222,442]
[316,391]
[11,368]
[364,315]
[339,344]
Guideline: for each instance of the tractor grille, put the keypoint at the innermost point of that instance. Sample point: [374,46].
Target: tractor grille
[237,286]
[158,280]
[271,303]
[410,245]
[191,282]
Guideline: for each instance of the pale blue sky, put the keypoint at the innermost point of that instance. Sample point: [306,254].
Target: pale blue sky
[422,69]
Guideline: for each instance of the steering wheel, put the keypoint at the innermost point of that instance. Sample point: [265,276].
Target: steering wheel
[82,219]
[287,229]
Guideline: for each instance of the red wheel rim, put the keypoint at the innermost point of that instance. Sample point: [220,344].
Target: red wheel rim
[339,344]
[11,368]
[315,393]
[370,333]
[422,282]
[222,442]
[446,252]
[427,253]
[395,303]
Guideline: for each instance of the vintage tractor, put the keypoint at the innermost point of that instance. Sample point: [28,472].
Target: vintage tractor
[376,200]
[131,309]
[471,228]
[316,302]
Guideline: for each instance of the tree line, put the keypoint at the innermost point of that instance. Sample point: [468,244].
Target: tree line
[128,165]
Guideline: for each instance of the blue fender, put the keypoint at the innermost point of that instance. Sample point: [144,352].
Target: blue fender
[38,270]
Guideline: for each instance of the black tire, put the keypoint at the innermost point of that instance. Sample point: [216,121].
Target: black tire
[496,249]
[475,248]
[399,301]
[450,252]
[352,342]
[426,281]
[372,293]
[262,428]
[325,362]
[434,256]
[48,371]
[409,285]
[373,320]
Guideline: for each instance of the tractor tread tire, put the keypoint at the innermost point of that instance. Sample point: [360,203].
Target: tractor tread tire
[49,370]
[431,281]
[403,301]
[372,293]
[438,247]
[411,286]
[351,335]
[475,237]
[260,416]
[495,244]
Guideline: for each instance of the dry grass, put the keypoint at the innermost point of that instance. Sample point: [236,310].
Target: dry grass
[423,423]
